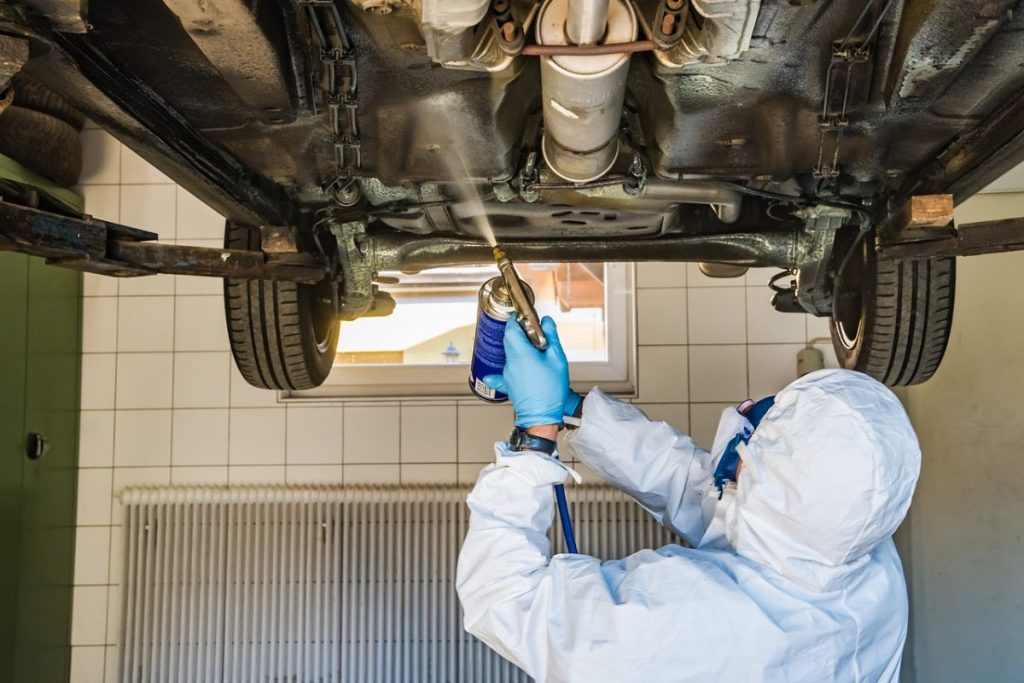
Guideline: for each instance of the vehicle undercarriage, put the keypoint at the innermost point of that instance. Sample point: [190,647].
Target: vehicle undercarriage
[830,139]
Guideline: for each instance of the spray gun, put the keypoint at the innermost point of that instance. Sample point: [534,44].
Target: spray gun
[518,294]
[526,314]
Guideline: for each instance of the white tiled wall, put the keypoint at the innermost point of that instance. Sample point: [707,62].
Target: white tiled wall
[162,402]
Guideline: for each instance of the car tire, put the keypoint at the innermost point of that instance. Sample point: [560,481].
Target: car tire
[42,143]
[29,94]
[283,335]
[892,319]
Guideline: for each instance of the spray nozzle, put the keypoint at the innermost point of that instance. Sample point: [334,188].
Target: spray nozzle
[526,314]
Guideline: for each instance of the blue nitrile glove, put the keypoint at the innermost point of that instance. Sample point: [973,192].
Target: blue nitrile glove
[537,382]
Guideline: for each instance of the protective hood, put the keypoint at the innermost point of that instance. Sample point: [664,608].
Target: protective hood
[827,476]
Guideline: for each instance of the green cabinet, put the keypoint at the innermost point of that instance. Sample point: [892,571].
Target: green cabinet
[40,345]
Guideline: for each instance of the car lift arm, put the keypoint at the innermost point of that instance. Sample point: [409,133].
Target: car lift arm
[96,246]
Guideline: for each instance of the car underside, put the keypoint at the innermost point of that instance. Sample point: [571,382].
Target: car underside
[829,139]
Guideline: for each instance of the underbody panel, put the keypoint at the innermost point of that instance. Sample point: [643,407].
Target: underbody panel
[233,99]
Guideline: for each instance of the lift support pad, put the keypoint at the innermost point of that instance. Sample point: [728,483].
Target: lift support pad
[971,239]
[924,228]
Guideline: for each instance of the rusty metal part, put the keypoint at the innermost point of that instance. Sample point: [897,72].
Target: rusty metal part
[158,257]
[580,50]
[511,35]
[230,35]
[725,198]
[276,239]
[360,295]
[67,16]
[703,32]
[673,18]
[6,100]
[96,246]
[970,239]
[777,248]
[813,275]
[668,24]
[13,55]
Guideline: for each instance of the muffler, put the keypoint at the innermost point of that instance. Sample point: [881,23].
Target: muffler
[583,94]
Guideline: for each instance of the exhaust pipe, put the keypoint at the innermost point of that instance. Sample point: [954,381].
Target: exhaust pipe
[583,94]
[587,21]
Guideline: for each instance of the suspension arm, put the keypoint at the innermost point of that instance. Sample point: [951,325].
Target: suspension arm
[409,253]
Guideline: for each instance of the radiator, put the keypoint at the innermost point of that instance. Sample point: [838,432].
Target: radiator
[309,585]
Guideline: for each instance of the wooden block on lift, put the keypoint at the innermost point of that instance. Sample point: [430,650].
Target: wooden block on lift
[930,211]
[278,239]
[923,217]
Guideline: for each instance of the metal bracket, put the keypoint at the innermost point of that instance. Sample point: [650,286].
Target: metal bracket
[813,290]
[360,296]
[670,22]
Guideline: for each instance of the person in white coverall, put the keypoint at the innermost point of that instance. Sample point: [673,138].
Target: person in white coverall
[792,574]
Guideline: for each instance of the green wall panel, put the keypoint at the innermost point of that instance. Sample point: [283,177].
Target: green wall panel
[37,618]
[13,363]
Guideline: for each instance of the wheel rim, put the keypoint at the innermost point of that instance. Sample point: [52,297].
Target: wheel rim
[321,298]
[848,314]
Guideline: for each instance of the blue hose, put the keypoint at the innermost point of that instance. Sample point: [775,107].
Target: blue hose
[563,516]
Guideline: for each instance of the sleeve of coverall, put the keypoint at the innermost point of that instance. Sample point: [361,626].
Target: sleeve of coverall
[660,467]
[507,582]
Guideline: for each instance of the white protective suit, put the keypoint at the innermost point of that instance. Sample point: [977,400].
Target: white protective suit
[793,575]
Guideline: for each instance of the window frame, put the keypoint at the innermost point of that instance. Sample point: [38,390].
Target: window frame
[384,383]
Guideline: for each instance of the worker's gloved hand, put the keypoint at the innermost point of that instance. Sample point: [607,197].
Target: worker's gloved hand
[537,382]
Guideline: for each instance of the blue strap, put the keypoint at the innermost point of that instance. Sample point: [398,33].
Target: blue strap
[757,411]
[730,460]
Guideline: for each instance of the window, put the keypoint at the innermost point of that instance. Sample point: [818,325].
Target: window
[423,349]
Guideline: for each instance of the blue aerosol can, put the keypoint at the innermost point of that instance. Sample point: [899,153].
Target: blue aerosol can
[495,309]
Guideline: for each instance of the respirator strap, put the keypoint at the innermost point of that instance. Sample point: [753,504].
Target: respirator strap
[730,460]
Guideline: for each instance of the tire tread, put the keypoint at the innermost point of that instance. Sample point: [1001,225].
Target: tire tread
[908,312]
[265,327]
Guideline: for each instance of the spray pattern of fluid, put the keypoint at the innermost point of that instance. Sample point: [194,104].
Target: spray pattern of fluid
[451,153]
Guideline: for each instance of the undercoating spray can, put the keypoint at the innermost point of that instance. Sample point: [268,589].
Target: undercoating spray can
[495,310]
